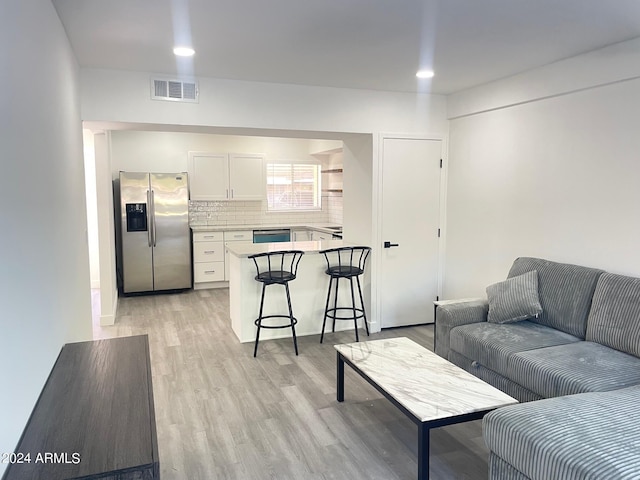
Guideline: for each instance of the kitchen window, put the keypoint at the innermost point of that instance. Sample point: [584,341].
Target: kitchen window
[293,186]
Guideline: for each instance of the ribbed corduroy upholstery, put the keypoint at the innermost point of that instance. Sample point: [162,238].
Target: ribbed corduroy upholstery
[456,314]
[492,344]
[614,319]
[492,378]
[576,368]
[577,437]
[565,292]
[514,299]
[501,470]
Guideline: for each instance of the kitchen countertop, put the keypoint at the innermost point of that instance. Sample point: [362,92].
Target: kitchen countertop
[242,249]
[324,227]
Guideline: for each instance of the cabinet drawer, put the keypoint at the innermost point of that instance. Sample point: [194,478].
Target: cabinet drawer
[208,272]
[237,235]
[208,236]
[208,252]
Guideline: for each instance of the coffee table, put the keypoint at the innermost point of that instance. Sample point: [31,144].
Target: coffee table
[428,389]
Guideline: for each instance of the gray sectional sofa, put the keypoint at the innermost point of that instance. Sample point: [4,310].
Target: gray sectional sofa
[579,355]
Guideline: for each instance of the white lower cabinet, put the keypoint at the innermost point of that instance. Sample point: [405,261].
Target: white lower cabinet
[317,236]
[234,236]
[208,272]
[211,258]
[208,258]
[300,235]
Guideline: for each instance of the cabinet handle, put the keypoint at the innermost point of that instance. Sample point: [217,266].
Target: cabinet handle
[209,271]
[209,251]
[232,193]
[227,193]
[209,236]
[238,236]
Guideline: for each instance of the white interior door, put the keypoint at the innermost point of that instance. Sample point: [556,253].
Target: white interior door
[410,219]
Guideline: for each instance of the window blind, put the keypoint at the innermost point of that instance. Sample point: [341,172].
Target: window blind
[293,186]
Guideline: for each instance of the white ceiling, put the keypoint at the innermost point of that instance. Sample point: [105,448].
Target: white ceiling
[370,44]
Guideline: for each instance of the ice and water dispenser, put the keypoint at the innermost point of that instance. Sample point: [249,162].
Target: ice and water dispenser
[136,217]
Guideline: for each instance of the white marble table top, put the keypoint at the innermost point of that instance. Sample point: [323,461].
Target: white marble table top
[427,385]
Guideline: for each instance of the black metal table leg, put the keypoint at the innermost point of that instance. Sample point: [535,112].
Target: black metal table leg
[423,452]
[340,379]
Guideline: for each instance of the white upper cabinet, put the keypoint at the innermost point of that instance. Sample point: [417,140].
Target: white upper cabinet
[225,176]
[208,176]
[247,177]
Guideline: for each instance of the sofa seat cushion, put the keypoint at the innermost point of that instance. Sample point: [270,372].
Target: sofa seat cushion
[587,436]
[574,368]
[492,344]
[502,383]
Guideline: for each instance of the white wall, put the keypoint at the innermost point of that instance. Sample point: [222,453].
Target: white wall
[276,109]
[45,293]
[119,96]
[604,66]
[106,230]
[556,177]
[92,207]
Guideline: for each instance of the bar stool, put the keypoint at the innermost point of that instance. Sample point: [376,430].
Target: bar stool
[279,268]
[347,263]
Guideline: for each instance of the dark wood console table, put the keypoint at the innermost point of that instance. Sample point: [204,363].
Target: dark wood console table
[95,416]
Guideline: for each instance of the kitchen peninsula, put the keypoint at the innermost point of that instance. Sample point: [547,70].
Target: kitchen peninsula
[308,290]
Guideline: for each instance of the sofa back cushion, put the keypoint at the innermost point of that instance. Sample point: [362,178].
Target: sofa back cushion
[565,293]
[614,319]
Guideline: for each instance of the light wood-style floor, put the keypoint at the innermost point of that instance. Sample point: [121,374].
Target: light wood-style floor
[222,414]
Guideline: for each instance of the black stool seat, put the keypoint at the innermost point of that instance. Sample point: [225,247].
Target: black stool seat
[344,271]
[279,276]
[345,263]
[276,268]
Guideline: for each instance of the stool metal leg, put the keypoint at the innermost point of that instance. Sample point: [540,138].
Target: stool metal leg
[335,305]
[293,328]
[255,348]
[353,306]
[326,308]
[364,314]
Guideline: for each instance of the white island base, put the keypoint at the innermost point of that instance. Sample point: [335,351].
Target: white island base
[308,292]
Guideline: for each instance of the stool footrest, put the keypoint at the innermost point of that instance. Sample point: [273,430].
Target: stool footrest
[292,321]
[333,313]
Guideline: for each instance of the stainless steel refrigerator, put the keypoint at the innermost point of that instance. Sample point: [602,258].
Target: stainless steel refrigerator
[154,232]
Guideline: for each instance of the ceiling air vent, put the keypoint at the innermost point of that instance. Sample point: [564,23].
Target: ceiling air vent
[174,90]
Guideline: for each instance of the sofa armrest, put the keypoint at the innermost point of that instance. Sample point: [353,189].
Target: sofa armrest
[451,315]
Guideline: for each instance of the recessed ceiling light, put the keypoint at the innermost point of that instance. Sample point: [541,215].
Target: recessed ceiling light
[184,51]
[425,74]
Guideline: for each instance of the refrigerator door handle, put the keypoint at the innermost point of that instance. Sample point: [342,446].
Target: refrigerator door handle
[153,218]
[148,218]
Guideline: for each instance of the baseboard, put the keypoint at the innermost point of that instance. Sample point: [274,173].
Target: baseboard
[108,320]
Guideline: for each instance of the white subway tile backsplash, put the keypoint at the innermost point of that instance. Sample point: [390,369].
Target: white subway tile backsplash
[255,213]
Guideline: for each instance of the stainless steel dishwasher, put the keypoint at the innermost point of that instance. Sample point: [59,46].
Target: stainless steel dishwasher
[272,235]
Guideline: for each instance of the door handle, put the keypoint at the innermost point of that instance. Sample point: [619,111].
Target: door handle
[389,244]
[149,240]
[153,217]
